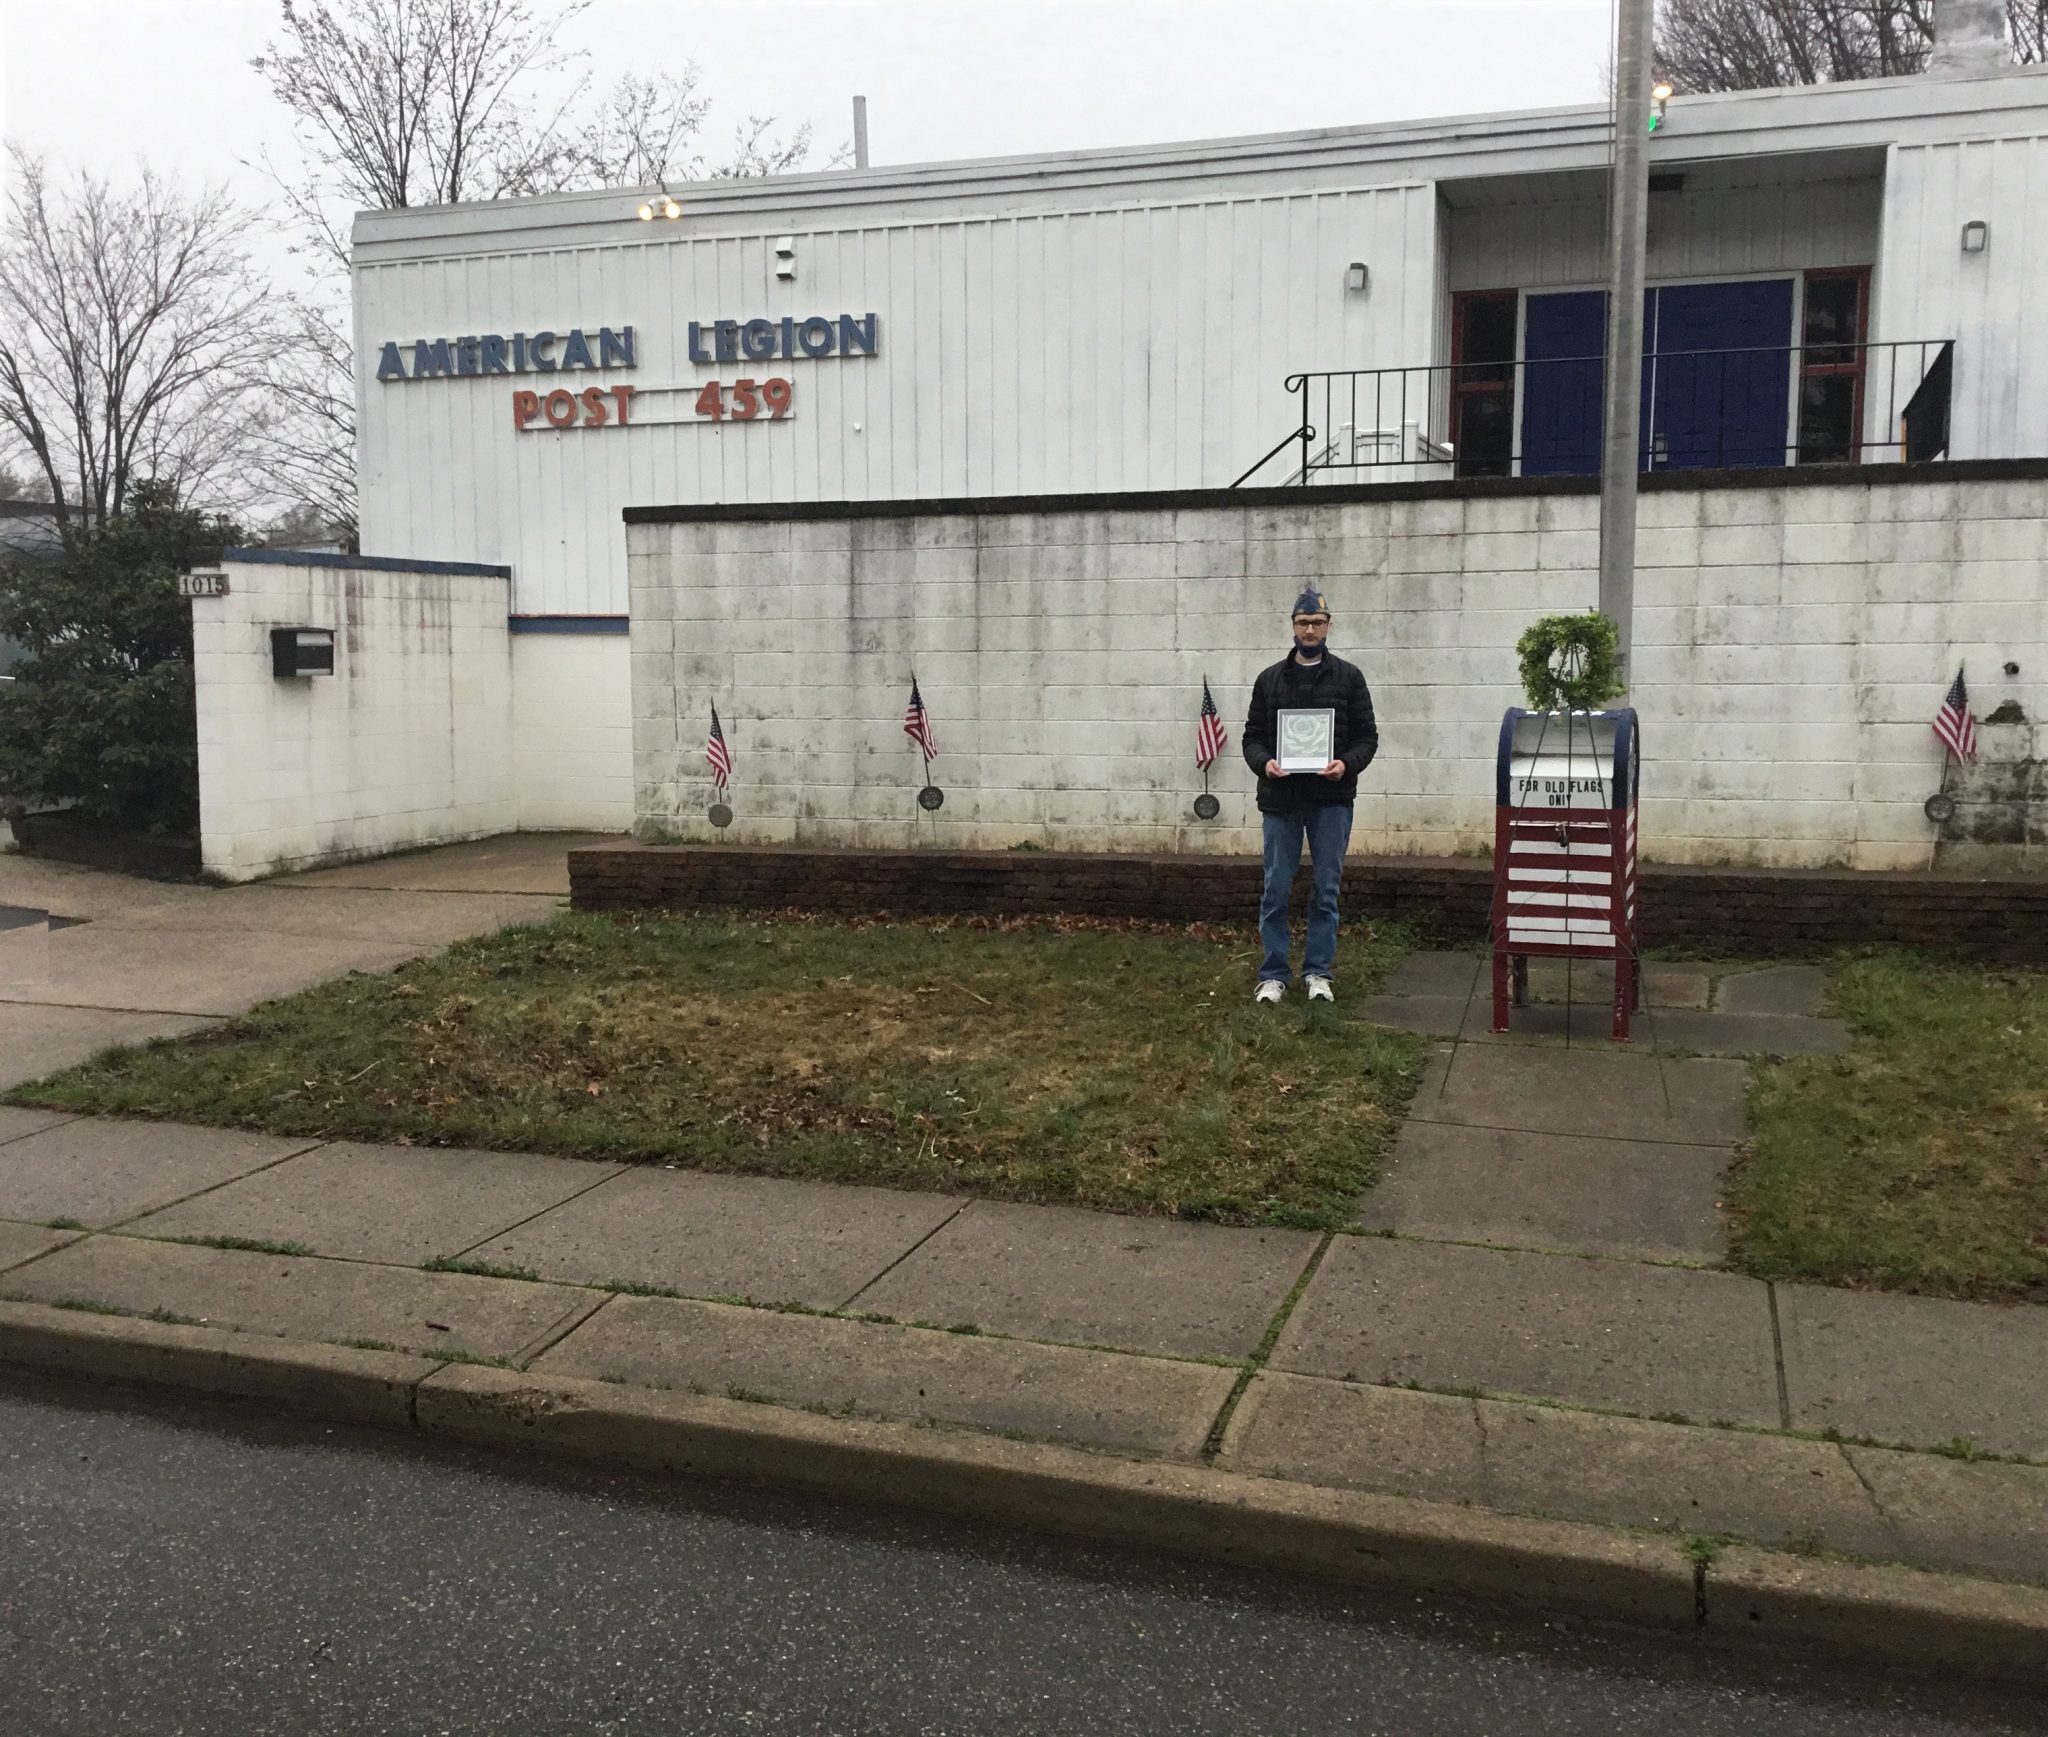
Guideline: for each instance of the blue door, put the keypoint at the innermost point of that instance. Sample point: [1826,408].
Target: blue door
[1721,386]
[1561,386]
[1702,404]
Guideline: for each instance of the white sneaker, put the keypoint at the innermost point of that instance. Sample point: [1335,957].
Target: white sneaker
[1270,990]
[1319,989]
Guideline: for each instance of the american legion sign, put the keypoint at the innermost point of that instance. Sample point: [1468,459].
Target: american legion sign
[809,338]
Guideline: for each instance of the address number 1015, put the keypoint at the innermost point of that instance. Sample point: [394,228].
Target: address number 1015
[744,400]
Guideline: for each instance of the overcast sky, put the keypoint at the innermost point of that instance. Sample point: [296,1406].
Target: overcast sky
[101,82]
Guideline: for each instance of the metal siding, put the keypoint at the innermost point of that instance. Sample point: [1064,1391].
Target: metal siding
[1692,235]
[1141,347]
[1929,288]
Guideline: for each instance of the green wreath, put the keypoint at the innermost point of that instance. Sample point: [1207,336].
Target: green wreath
[1571,663]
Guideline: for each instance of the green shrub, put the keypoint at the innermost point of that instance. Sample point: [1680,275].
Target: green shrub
[100,713]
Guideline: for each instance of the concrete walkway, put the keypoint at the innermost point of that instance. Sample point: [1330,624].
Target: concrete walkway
[1622,1391]
[90,959]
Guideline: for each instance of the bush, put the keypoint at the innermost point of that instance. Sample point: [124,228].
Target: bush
[100,713]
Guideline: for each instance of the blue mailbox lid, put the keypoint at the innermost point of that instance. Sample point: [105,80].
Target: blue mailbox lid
[1621,777]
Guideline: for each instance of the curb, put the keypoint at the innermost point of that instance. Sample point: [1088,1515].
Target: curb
[1746,1596]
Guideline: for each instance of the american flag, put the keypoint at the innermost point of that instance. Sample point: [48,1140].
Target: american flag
[718,753]
[1953,723]
[1209,734]
[917,723]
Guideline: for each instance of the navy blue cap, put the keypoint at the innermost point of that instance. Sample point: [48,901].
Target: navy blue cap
[1310,603]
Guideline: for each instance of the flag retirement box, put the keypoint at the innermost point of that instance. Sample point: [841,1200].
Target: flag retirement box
[1564,850]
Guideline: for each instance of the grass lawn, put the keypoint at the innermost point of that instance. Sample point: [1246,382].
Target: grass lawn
[1919,1160]
[1104,1067]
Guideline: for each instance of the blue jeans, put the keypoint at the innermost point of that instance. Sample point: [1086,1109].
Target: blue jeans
[1328,830]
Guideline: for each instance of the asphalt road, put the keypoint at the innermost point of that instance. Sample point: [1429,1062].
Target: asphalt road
[163,1572]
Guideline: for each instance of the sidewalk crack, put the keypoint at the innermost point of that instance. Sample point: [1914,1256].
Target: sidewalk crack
[1869,1489]
[577,1316]
[521,1224]
[1263,1352]
[869,1284]
[1778,1358]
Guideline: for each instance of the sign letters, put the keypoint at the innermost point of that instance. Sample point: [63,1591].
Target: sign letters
[496,353]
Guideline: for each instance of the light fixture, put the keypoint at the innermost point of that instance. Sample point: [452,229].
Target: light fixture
[785,256]
[1660,94]
[646,212]
[1976,235]
[1356,276]
[665,206]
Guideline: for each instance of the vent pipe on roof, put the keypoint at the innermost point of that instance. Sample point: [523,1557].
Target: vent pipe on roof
[1969,38]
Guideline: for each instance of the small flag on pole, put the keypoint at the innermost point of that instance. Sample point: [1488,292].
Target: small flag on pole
[1209,734]
[716,751]
[1953,723]
[917,724]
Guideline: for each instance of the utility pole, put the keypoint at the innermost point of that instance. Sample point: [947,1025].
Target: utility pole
[860,132]
[1628,212]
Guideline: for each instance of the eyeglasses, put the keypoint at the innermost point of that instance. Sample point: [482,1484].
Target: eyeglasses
[1311,621]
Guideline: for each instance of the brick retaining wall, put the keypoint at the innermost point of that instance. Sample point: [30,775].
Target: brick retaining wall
[1754,911]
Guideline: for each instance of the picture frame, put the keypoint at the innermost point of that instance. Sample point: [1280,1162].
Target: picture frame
[1305,738]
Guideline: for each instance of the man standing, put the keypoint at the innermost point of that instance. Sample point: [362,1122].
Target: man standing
[1311,805]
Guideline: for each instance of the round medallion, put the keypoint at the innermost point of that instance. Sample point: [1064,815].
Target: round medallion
[1939,808]
[1207,807]
[720,814]
[930,797]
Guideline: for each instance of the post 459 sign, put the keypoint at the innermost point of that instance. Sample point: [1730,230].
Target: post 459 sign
[744,400]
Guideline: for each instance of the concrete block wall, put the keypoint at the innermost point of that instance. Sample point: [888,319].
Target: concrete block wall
[407,743]
[1793,642]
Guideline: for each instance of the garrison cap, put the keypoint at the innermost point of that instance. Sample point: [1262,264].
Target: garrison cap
[1311,603]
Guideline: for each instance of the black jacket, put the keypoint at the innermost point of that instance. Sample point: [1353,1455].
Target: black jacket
[1335,684]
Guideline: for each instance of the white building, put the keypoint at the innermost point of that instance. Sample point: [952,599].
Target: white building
[1125,320]
[1837,279]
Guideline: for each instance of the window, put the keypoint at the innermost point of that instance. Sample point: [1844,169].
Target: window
[1483,381]
[1831,364]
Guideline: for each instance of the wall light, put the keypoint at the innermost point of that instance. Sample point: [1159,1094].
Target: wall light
[1976,236]
[785,256]
[665,206]
[1660,94]
[1356,276]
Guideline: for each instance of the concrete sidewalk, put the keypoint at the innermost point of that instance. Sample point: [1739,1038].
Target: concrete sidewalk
[1629,1392]
[89,959]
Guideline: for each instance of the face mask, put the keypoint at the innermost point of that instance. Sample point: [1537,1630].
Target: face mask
[1311,652]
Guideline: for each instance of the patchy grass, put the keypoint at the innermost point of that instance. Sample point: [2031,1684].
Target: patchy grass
[245,1244]
[477,1269]
[1919,1160]
[1107,1066]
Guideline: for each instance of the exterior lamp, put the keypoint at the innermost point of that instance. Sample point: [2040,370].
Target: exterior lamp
[1976,236]
[665,206]
[1660,94]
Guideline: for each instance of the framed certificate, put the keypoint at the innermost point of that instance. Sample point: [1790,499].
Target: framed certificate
[1308,738]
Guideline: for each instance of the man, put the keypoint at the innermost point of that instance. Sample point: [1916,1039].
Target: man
[1311,805]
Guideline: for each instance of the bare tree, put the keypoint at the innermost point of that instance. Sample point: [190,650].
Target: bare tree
[1705,45]
[398,103]
[132,336]
[23,485]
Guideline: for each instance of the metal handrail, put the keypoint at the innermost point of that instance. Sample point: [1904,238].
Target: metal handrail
[1416,419]
[1304,434]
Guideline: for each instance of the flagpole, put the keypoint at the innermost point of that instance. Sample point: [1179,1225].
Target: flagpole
[1934,844]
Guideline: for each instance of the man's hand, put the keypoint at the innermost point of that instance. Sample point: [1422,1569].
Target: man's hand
[1273,769]
[1335,769]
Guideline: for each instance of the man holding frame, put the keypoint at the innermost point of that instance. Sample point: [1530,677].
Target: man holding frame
[1308,735]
